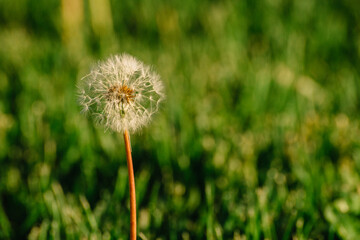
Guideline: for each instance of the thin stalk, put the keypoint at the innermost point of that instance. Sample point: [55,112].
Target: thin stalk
[131,186]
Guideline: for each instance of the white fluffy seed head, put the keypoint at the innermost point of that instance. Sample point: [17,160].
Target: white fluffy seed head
[121,93]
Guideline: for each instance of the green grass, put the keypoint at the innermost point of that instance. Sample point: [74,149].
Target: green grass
[259,136]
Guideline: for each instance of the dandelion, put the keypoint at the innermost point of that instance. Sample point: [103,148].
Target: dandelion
[122,94]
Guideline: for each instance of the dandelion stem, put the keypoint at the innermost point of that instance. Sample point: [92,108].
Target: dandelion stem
[131,186]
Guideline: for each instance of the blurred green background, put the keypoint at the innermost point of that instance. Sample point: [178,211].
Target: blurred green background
[259,137]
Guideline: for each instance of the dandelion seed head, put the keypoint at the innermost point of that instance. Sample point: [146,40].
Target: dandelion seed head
[121,93]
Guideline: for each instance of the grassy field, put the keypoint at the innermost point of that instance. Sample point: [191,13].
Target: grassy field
[259,136]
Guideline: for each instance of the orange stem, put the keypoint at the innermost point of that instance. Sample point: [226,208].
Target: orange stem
[131,186]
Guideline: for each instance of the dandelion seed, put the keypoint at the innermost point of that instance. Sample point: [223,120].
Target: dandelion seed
[121,93]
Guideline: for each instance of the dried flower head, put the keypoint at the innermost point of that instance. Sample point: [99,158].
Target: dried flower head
[121,93]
